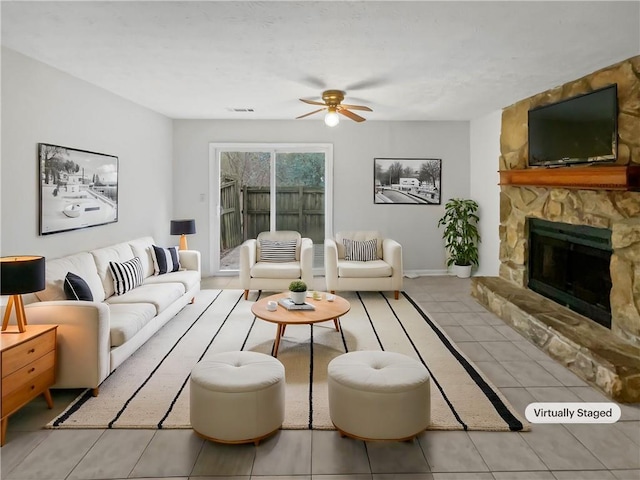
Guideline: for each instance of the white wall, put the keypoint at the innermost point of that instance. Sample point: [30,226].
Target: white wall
[354,148]
[42,104]
[164,165]
[485,152]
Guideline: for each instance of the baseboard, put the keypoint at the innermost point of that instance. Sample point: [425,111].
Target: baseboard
[320,273]
[425,273]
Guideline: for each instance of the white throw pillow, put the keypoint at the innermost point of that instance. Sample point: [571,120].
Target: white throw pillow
[278,250]
[127,275]
[364,251]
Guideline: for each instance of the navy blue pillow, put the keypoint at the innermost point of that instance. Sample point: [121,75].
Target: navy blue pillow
[75,288]
[165,260]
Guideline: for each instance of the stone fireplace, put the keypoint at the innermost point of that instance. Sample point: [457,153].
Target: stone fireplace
[570,265]
[617,211]
[609,359]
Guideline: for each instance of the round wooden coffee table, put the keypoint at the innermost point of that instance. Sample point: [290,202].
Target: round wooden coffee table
[324,312]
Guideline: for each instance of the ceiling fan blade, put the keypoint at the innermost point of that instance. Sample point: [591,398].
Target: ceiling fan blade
[310,113]
[350,115]
[357,107]
[368,83]
[312,102]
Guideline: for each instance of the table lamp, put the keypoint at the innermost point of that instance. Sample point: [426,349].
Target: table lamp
[19,275]
[183,228]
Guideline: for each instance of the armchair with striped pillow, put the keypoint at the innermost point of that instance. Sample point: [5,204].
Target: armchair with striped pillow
[273,259]
[363,261]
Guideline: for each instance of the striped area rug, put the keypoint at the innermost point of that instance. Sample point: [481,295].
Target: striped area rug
[151,389]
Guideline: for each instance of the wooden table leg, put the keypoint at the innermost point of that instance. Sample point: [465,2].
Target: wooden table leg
[47,397]
[7,313]
[276,344]
[284,327]
[3,433]
[336,322]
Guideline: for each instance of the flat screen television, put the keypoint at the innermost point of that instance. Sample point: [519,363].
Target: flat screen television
[580,129]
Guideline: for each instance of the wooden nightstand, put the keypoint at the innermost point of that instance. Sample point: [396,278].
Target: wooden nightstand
[28,368]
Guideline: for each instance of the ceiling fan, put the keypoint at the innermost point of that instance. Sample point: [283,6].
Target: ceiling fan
[333,105]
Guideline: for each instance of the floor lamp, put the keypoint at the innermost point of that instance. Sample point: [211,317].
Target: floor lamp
[183,228]
[19,275]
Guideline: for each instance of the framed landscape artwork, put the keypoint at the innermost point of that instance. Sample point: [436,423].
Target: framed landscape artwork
[408,181]
[78,189]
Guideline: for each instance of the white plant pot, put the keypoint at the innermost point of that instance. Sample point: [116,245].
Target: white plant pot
[462,271]
[298,297]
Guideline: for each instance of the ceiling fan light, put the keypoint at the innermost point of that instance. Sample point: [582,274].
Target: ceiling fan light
[331,119]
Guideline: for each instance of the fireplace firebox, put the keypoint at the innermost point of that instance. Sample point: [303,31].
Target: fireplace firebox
[570,265]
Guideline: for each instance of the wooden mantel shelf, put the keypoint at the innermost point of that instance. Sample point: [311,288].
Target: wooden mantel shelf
[612,177]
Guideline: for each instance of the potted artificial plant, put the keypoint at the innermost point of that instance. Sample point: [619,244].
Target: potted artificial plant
[461,235]
[298,292]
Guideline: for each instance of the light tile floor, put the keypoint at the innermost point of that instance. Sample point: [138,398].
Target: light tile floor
[522,372]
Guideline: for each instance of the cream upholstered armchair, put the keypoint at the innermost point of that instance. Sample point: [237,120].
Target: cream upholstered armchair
[274,259]
[363,260]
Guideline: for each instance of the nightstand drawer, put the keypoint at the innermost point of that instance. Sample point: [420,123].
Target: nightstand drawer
[27,392]
[27,373]
[21,355]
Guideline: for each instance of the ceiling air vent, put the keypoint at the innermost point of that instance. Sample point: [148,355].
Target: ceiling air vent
[241,110]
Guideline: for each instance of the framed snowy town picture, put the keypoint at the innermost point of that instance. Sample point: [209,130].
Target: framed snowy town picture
[78,189]
[414,181]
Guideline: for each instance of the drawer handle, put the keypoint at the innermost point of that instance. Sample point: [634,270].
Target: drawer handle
[31,350]
[32,369]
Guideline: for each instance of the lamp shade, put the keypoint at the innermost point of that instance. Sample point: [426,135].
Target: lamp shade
[183,227]
[21,274]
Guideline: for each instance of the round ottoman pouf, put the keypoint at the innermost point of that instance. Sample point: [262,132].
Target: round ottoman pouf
[378,395]
[237,397]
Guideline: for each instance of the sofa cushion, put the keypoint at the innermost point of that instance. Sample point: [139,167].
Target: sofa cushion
[276,270]
[125,320]
[75,288]
[141,247]
[373,269]
[126,275]
[160,295]
[82,264]
[165,260]
[188,278]
[120,252]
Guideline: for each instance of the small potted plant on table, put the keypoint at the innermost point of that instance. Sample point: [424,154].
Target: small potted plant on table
[461,235]
[298,292]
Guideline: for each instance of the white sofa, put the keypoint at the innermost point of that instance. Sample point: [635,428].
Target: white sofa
[385,273]
[95,337]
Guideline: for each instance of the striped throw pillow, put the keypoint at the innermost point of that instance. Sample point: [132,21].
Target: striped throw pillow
[165,260]
[127,275]
[278,250]
[364,251]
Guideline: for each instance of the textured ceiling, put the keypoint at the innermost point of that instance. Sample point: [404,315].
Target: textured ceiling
[407,60]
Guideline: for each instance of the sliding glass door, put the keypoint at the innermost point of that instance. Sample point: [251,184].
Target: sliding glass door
[269,187]
[244,178]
